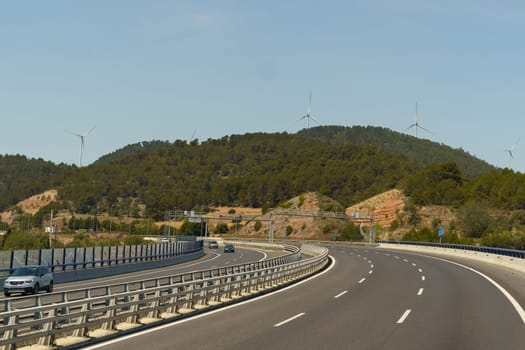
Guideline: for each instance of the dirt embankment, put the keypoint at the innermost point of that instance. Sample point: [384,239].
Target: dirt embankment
[31,205]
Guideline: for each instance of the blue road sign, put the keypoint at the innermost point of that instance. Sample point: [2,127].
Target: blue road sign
[441,231]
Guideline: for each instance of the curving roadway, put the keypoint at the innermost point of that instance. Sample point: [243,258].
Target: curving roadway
[370,298]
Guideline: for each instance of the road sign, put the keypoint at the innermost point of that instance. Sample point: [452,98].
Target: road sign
[441,231]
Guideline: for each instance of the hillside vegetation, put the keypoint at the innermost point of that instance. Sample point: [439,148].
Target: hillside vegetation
[263,170]
[415,150]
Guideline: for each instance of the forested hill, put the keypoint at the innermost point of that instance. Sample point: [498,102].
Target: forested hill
[246,170]
[258,170]
[140,147]
[419,151]
[21,177]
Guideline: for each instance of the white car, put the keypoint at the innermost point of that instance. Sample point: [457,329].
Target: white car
[29,279]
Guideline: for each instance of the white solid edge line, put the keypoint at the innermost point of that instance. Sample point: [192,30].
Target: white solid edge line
[503,291]
[184,320]
[340,294]
[289,319]
[420,292]
[404,316]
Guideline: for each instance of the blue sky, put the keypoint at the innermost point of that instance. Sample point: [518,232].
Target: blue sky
[166,70]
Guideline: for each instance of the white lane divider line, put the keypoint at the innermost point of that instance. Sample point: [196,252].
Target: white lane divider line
[414,265]
[404,316]
[370,272]
[397,257]
[420,270]
[289,320]
[340,294]
[420,292]
[422,278]
[361,280]
[387,254]
[405,260]
[371,266]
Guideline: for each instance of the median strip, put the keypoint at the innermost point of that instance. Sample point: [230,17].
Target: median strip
[289,320]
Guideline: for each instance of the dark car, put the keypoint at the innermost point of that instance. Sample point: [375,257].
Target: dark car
[229,248]
[28,279]
[213,244]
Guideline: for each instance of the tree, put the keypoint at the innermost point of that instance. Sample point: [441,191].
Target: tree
[474,218]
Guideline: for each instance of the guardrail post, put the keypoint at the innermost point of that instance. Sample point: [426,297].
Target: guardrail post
[83,332]
[110,324]
[11,333]
[48,339]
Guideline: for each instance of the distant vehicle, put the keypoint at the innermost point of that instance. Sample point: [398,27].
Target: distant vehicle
[229,248]
[29,279]
[165,240]
[213,244]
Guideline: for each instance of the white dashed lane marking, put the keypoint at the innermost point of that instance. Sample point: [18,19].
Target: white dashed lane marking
[289,319]
[404,316]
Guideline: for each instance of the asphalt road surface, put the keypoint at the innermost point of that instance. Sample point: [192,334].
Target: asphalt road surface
[370,298]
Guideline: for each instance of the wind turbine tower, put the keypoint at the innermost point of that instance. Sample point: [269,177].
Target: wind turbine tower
[82,143]
[309,115]
[509,151]
[416,125]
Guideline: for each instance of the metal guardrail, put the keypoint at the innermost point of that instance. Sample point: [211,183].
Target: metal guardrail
[67,319]
[489,250]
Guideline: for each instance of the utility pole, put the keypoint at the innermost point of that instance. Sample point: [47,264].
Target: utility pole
[51,230]
[270,238]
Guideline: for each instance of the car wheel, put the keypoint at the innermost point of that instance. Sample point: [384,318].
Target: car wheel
[6,293]
[50,287]
[36,288]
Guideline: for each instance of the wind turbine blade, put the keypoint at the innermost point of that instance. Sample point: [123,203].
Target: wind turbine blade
[72,133]
[303,117]
[310,103]
[90,130]
[419,126]
[315,120]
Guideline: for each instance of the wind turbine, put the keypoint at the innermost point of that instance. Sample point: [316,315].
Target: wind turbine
[416,124]
[509,151]
[82,137]
[308,115]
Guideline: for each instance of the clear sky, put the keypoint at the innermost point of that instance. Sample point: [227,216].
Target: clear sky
[140,70]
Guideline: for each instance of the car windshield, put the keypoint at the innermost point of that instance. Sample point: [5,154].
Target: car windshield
[25,271]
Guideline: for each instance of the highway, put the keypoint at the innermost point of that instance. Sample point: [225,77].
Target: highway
[370,298]
[214,258]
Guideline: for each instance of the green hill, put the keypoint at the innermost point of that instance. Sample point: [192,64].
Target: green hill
[415,150]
